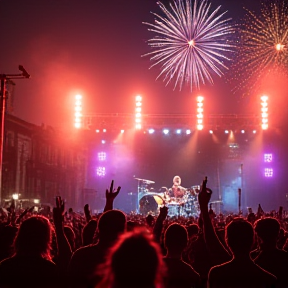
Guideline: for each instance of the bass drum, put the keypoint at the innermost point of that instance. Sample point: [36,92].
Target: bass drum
[149,204]
[191,207]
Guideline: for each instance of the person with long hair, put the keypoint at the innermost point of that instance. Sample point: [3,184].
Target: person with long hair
[31,264]
[135,261]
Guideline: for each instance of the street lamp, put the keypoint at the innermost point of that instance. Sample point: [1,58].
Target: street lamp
[3,98]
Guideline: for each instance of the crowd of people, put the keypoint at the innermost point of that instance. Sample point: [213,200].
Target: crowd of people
[118,250]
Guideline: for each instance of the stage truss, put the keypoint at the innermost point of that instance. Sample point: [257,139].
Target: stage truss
[185,121]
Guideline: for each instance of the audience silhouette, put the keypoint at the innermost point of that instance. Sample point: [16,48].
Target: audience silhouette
[84,262]
[135,261]
[241,271]
[179,273]
[269,257]
[31,265]
[115,250]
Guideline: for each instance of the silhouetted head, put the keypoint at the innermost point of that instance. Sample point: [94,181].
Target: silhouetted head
[34,237]
[132,225]
[135,261]
[251,217]
[267,229]
[175,238]
[193,230]
[150,220]
[111,223]
[239,236]
[88,232]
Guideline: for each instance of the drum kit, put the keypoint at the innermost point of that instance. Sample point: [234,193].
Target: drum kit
[150,201]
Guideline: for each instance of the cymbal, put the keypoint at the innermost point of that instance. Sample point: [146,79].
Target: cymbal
[145,180]
[153,194]
[217,201]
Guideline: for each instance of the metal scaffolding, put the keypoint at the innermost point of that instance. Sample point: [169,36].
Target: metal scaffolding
[213,121]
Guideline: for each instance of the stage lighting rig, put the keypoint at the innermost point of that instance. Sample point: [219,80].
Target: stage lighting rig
[6,78]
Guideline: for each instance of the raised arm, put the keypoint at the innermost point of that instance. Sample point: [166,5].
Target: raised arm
[111,194]
[158,227]
[216,249]
[87,212]
[64,249]
[19,218]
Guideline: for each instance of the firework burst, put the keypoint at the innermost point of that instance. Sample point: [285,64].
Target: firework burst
[263,45]
[191,42]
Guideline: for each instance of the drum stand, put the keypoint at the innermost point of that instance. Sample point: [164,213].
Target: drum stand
[179,210]
[139,195]
[141,190]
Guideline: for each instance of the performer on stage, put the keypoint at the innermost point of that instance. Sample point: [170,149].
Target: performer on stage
[177,190]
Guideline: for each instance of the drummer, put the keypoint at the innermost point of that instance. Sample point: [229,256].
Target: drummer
[176,191]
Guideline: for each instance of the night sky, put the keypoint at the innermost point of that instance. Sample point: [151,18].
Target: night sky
[94,48]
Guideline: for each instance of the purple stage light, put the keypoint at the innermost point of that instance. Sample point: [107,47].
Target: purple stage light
[268,157]
[102,156]
[101,171]
[268,172]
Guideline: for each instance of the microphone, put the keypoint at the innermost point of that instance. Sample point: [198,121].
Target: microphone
[24,72]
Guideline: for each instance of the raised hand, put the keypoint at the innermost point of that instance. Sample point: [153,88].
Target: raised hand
[158,227]
[163,212]
[260,211]
[204,195]
[63,246]
[31,209]
[22,215]
[111,194]
[58,212]
[87,212]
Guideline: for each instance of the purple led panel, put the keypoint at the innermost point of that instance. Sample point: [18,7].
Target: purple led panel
[268,172]
[268,157]
[102,156]
[100,171]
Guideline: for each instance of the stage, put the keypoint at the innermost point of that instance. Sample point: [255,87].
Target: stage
[230,160]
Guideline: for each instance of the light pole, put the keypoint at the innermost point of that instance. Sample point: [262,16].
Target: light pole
[3,99]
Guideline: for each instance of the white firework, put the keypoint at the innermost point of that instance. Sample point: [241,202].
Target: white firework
[191,42]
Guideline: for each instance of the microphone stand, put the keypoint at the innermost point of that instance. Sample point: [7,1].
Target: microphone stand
[239,201]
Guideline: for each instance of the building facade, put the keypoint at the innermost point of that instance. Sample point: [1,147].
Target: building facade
[40,163]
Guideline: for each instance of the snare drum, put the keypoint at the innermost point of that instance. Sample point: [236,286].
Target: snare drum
[173,209]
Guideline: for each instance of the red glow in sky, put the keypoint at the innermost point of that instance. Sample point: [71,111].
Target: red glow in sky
[93,48]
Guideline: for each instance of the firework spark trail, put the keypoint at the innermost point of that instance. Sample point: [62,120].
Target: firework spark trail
[263,45]
[190,42]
